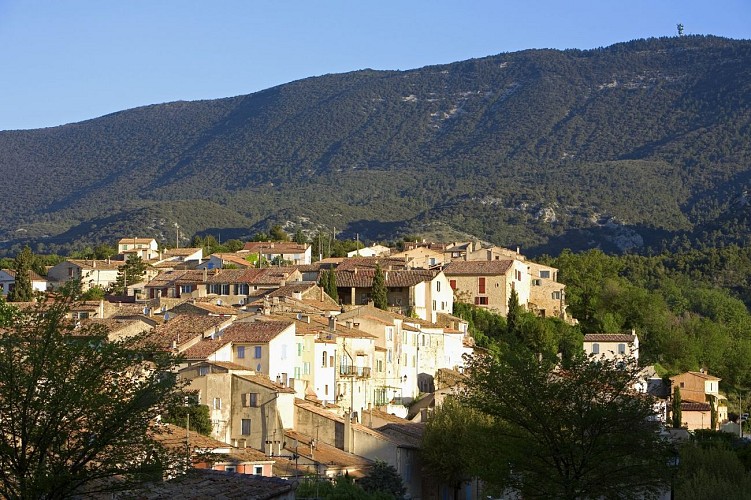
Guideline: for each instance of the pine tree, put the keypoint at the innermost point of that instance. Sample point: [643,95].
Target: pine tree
[378,291]
[677,415]
[22,289]
[130,273]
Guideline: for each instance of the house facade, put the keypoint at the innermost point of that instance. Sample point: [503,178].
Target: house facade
[8,281]
[284,251]
[91,273]
[612,346]
[488,284]
[146,248]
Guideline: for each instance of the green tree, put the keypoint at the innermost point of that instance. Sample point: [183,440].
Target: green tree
[276,233]
[130,273]
[378,292]
[676,409]
[77,411]
[384,478]
[513,314]
[331,288]
[564,430]
[22,290]
[447,449]
[300,237]
[200,417]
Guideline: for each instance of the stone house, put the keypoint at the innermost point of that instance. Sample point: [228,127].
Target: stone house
[488,284]
[246,409]
[612,345]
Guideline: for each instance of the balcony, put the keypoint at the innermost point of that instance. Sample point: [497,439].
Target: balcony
[354,371]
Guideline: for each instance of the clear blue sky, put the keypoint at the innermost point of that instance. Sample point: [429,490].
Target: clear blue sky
[64,61]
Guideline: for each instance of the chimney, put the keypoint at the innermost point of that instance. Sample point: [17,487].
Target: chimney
[332,324]
[205,273]
[355,271]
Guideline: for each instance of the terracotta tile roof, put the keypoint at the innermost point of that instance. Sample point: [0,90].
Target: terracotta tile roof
[609,337]
[253,276]
[202,484]
[290,290]
[363,278]
[320,325]
[695,406]
[478,267]
[228,275]
[408,434]
[111,265]
[385,416]
[129,241]
[204,349]
[193,307]
[266,382]
[32,275]
[183,328]
[178,276]
[255,331]
[323,453]
[275,247]
[705,376]
[181,252]
[371,263]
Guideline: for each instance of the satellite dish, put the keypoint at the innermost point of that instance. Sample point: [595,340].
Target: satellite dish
[219,302]
[145,311]
[167,316]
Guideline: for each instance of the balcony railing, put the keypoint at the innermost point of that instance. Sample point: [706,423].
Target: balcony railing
[354,371]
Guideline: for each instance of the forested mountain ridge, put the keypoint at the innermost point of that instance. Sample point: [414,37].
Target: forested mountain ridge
[638,144]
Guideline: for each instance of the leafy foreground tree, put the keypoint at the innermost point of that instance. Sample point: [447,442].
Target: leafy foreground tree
[450,453]
[343,488]
[575,433]
[77,412]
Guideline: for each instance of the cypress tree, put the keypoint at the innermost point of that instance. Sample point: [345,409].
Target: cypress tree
[513,315]
[677,416]
[378,291]
[331,284]
[22,289]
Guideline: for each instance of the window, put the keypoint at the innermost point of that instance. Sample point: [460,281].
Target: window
[297,372]
[545,274]
[683,384]
[481,285]
[331,361]
[438,286]
[258,352]
[258,470]
[481,301]
[240,351]
[326,389]
[246,427]
[414,361]
[388,355]
[557,295]
[452,284]
[203,370]
[435,305]
[306,368]
[621,348]
[536,282]
[250,399]
[299,349]
[595,348]
[389,333]
[230,468]
[217,403]
[323,361]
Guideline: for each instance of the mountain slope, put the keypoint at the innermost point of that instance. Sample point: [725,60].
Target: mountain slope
[619,147]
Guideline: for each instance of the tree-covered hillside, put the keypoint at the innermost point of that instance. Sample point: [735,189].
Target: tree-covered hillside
[621,147]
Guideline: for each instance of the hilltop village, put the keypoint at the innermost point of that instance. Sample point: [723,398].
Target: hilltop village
[303,367]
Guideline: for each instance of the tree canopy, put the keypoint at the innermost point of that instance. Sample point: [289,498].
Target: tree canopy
[78,412]
[574,432]
[379,292]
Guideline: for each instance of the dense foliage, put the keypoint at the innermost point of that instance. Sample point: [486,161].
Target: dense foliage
[684,320]
[642,142]
[77,412]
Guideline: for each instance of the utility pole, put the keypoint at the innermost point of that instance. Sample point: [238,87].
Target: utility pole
[177,236]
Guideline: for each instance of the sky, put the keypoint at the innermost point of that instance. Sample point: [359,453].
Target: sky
[72,60]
